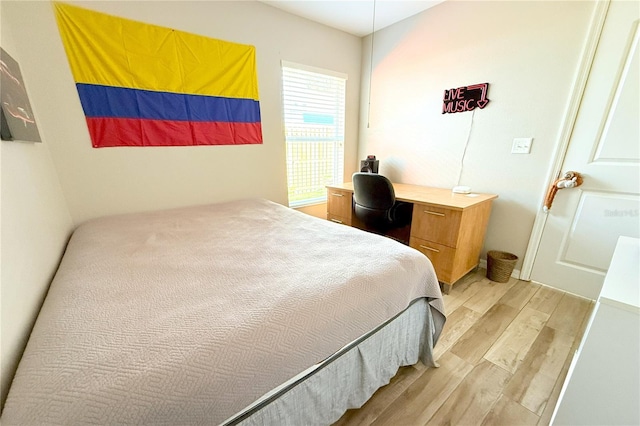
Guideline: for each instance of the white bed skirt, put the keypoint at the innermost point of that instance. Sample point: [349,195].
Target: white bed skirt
[347,379]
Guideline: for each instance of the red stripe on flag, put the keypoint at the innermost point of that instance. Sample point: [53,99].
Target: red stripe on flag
[108,132]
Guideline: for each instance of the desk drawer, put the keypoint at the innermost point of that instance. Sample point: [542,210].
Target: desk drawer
[440,255]
[437,224]
[339,219]
[339,203]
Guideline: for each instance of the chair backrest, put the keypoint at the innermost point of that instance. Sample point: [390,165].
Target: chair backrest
[374,197]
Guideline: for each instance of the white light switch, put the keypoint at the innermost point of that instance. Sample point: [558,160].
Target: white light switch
[521,146]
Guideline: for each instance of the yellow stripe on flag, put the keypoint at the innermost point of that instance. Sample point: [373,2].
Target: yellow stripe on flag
[111,51]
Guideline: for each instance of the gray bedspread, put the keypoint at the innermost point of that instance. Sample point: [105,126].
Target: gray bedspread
[187,316]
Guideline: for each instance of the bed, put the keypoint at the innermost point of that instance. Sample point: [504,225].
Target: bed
[245,312]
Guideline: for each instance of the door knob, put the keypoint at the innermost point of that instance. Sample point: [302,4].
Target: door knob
[568,180]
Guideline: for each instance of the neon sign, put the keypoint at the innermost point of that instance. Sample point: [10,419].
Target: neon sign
[465,98]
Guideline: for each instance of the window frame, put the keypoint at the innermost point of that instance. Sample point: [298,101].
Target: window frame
[328,146]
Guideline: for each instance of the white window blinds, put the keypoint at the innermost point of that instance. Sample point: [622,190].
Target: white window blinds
[314,114]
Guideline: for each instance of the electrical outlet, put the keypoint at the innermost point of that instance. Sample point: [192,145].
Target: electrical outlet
[521,146]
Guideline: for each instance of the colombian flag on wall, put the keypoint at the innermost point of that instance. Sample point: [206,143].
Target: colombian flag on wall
[145,85]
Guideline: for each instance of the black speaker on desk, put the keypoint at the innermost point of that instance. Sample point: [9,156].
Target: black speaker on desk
[370,165]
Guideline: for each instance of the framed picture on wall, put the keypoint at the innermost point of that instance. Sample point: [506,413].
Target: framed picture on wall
[18,120]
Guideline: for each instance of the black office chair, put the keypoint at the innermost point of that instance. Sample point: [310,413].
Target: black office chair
[375,203]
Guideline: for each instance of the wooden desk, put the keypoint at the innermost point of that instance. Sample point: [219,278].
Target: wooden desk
[448,228]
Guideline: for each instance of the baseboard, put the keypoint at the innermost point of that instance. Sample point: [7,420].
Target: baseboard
[516,274]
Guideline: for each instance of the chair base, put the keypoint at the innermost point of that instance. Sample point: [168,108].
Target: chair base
[400,234]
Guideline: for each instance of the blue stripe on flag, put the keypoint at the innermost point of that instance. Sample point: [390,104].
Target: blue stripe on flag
[118,102]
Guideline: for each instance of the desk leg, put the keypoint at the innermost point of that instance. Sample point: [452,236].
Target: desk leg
[446,288]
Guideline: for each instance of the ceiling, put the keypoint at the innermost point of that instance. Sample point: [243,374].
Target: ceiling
[354,16]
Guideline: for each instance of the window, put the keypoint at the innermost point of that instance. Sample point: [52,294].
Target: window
[313,105]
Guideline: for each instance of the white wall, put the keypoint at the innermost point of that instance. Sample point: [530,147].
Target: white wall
[49,188]
[105,181]
[35,226]
[528,52]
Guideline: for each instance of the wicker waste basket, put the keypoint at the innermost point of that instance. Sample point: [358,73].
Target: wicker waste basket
[500,265]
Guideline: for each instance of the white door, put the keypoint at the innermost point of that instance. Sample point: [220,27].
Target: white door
[584,223]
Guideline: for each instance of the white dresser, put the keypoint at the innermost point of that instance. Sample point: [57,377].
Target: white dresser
[603,383]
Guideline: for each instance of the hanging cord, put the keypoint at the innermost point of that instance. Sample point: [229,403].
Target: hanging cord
[373,31]
[466,144]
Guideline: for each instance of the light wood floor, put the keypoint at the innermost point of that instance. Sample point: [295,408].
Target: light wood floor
[503,354]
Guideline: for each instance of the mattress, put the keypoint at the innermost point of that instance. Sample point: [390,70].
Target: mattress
[187,316]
